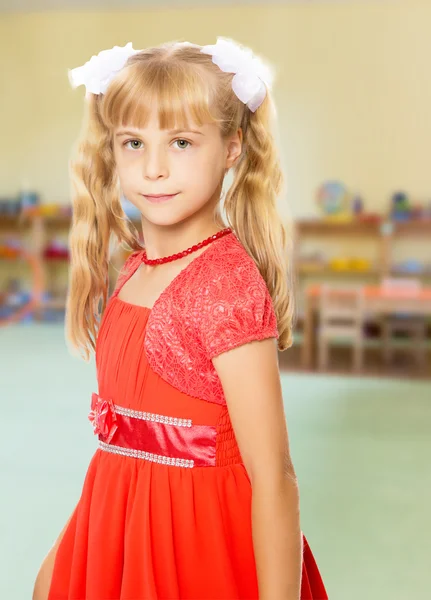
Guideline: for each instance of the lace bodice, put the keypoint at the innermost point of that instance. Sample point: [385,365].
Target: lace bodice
[218,302]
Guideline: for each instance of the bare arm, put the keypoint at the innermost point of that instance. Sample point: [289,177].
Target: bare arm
[251,382]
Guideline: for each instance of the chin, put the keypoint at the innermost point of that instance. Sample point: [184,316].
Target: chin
[158,219]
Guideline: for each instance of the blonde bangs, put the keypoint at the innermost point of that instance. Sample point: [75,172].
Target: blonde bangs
[182,95]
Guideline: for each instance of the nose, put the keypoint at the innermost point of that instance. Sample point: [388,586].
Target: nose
[155,164]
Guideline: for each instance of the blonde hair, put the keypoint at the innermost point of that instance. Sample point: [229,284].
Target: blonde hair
[177,78]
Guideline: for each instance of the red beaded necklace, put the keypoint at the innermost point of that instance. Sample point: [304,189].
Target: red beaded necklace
[165,259]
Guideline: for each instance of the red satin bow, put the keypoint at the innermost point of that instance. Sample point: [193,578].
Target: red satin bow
[102,416]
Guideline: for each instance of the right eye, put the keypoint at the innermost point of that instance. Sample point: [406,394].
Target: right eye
[133,142]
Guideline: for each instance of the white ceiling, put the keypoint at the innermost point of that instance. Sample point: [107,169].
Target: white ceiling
[12,6]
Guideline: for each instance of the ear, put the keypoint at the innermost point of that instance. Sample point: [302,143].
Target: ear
[234,148]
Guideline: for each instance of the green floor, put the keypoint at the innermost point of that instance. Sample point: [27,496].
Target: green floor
[361,448]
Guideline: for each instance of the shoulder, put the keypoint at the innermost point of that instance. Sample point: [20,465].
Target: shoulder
[233,301]
[126,268]
[228,269]
[130,261]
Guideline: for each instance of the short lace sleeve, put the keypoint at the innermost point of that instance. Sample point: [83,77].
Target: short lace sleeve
[236,308]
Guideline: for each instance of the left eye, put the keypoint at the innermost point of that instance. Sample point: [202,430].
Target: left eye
[133,142]
[185,141]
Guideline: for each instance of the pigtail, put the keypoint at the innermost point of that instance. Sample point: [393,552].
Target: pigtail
[97,213]
[250,207]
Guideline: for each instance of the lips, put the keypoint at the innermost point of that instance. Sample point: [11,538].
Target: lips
[159,198]
[159,195]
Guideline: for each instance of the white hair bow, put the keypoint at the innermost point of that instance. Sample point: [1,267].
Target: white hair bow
[252,76]
[250,83]
[97,73]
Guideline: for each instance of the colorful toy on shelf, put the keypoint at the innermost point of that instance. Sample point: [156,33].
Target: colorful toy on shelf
[29,201]
[350,264]
[369,217]
[65,210]
[56,249]
[400,207]
[55,210]
[10,249]
[10,207]
[335,200]
[360,264]
[48,210]
[339,264]
[359,213]
[312,262]
[357,205]
[410,266]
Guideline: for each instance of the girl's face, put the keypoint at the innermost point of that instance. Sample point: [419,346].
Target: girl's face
[190,164]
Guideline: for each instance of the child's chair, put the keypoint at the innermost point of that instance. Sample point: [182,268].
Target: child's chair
[341,317]
[415,326]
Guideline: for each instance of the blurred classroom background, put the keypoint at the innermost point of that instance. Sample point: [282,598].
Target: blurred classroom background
[353,96]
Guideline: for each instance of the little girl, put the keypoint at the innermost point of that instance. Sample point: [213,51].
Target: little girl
[191,493]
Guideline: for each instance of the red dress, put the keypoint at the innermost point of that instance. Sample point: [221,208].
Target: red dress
[165,509]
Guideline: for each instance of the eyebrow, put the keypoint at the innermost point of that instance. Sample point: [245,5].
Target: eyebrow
[171,132]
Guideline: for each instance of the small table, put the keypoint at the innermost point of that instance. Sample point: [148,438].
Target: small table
[377,300]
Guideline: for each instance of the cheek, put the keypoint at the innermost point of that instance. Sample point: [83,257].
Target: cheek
[124,170]
[209,162]
[120,157]
[210,170]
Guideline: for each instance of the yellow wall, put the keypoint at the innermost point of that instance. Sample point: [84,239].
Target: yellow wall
[353,89]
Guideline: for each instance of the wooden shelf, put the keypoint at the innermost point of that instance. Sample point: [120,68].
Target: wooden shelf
[19,221]
[384,232]
[9,222]
[320,226]
[346,272]
[58,221]
[421,226]
[332,227]
[25,222]
[408,274]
